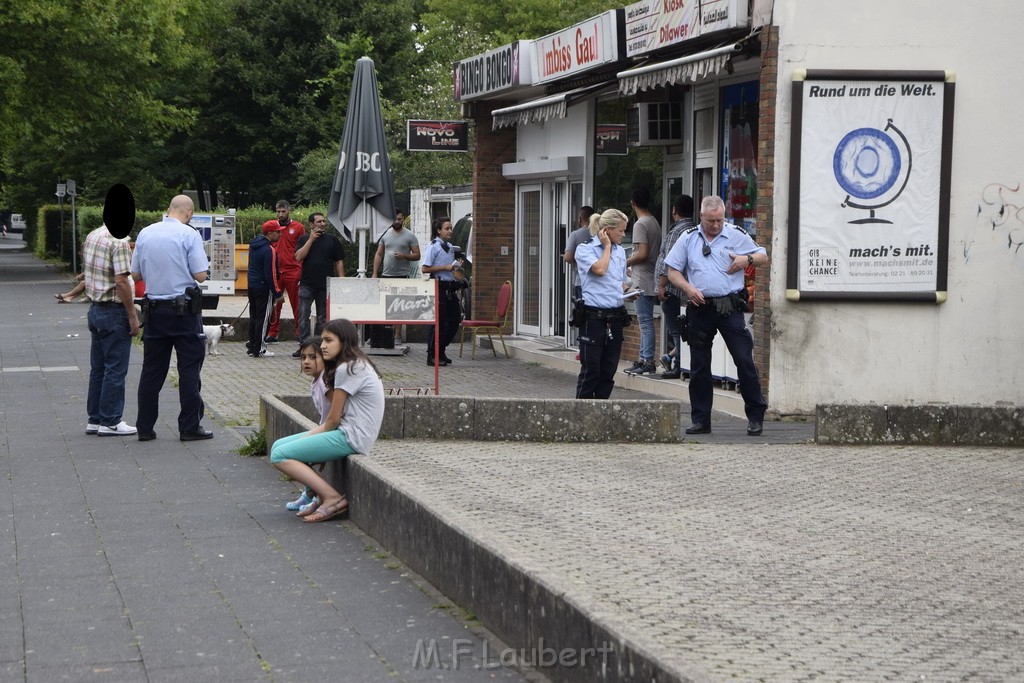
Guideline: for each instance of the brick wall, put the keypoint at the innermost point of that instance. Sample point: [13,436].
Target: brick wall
[494,211]
[765,199]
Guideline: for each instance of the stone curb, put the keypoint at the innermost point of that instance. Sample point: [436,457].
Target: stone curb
[920,425]
[514,419]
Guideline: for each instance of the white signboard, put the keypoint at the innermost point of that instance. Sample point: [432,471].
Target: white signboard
[870,199]
[585,46]
[381,300]
[504,68]
[654,24]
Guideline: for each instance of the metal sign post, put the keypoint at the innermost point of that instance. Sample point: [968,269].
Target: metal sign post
[62,190]
[74,226]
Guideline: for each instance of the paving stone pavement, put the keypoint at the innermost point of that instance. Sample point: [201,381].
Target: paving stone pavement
[751,559]
[778,562]
[168,561]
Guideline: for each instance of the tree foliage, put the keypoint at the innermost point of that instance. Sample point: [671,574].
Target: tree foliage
[242,97]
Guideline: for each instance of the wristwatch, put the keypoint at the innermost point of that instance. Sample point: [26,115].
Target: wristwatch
[750,259]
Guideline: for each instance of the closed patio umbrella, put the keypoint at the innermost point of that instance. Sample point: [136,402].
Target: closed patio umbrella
[362,196]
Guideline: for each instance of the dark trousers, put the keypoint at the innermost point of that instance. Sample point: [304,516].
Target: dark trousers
[307,297]
[600,346]
[109,355]
[259,318]
[165,331]
[670,309]
[704,321]
[450,316]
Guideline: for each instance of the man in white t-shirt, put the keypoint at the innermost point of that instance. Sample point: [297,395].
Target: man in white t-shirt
[646,247]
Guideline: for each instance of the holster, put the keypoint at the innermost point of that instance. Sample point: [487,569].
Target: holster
[578,317]
[683,326]
[195,300]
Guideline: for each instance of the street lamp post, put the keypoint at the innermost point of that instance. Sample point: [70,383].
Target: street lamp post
[74,226]
[62,190]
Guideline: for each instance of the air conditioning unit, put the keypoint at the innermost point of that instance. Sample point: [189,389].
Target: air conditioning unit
[655,123]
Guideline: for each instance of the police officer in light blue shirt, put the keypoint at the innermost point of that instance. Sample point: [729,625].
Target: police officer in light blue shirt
[439,262]
[707,264]
[169,257]
[601,265]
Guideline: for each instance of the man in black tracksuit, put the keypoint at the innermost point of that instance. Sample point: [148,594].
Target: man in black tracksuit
[264,290]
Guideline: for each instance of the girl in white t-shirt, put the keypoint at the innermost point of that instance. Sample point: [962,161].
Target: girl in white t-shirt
[351,425]
[311,362]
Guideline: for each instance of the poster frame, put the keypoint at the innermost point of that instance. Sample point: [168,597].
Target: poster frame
[936,294]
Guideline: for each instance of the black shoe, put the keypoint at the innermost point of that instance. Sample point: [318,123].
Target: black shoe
[198,435]
[446,360]
[754,428]
[698,429]
[297,354]
[147,436]
[672,374]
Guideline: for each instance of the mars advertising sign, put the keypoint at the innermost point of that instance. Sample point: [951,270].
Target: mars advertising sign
[437,136]
[500,69]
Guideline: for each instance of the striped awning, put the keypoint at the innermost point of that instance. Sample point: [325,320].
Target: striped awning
[542,108]
[680,70]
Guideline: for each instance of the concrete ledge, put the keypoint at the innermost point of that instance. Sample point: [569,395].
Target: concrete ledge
[522,606]
[506,419]
[514,600]
[920,425]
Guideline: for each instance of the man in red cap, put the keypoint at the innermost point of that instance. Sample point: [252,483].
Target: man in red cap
[264,289]
[290,270]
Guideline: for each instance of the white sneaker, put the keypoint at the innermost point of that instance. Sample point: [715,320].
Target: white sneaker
[91,428]
[120,429]
[267,354]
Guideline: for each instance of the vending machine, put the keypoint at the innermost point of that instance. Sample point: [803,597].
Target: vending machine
[218,233]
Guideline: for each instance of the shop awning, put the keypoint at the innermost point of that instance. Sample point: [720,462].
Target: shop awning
[680,70]
[542,108]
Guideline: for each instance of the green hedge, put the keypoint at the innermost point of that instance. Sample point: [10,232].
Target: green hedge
[54,242]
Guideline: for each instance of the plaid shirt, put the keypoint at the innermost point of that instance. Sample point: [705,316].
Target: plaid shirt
[103,258]
[678,228]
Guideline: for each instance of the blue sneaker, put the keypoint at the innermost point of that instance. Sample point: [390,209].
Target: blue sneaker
[666,362]
[304,499]
[310,507]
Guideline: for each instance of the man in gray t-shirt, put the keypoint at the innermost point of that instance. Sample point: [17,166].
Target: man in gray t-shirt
[397,249]
[646,246]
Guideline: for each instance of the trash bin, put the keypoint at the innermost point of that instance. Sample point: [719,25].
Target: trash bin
[382,336]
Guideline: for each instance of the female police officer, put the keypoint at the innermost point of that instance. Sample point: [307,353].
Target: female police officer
[439,261]
[601,264]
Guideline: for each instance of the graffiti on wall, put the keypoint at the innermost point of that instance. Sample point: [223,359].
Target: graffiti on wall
[1001,213]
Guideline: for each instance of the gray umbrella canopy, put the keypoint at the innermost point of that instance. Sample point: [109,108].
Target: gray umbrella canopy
[363,195]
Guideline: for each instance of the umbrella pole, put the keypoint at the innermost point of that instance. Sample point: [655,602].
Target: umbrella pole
[362,229]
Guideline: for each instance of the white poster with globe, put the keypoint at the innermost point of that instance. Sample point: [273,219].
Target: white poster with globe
[870,187]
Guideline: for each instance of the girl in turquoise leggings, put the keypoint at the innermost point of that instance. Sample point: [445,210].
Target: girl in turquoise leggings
[351,426]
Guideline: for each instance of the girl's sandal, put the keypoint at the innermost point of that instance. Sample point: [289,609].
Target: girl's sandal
[325,514]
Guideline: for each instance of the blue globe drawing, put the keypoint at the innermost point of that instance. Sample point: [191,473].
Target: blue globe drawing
[866,163]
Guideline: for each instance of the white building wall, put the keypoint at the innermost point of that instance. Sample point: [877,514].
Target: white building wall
[969,350]
[555,138]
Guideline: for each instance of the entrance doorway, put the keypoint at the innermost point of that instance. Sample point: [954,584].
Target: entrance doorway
[541,296]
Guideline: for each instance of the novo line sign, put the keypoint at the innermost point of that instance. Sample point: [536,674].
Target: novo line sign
[437,136]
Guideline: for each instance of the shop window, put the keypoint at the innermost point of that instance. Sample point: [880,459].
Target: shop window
[739,153]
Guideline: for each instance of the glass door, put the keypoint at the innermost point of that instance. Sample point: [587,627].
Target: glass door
[528,309]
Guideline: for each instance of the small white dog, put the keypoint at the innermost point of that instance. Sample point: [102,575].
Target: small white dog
[214,333]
